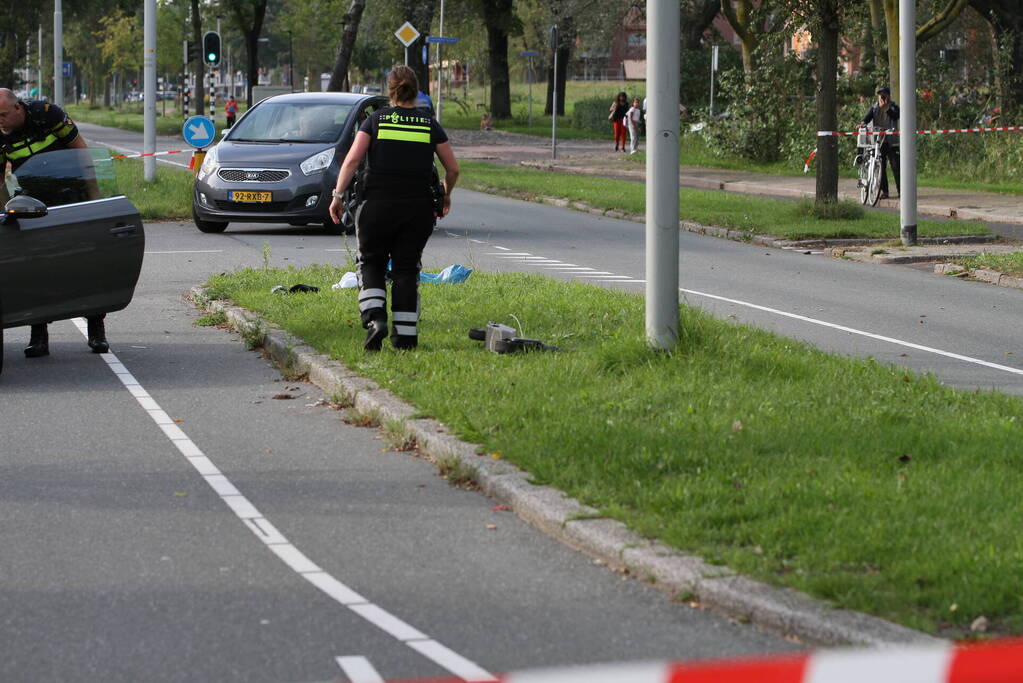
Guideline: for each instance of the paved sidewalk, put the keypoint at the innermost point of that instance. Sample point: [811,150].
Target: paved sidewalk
[592,157]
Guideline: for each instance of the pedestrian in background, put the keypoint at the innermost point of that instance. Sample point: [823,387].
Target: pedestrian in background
[397,214]
[231,110]
[632,118]
[616,115]
[26,129]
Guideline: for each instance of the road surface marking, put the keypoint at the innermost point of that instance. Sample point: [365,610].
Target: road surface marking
[814,321]
[197,251]
[862,333]
[278,544]
[358,670]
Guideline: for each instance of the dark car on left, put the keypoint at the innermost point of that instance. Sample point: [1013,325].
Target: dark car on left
[70,244]
[280,161]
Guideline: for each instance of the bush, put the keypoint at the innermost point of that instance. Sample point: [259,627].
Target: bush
[771,112]
[591,114]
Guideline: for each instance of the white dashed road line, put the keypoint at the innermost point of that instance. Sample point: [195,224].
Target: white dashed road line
[604,276]
[278,544]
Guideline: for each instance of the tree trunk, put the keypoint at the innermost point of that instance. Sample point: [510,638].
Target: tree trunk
[566,37]
[339,75]
[197,94]
[827,102]
[696,23]
[420,14]
[1006,20]
[498,16]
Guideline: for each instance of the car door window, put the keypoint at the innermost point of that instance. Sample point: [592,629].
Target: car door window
[67,176]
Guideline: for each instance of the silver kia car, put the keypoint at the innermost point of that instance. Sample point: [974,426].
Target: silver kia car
[279,162]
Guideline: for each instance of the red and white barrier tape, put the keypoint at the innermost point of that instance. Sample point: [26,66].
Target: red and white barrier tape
[991,662]
[827,133]
[151,154]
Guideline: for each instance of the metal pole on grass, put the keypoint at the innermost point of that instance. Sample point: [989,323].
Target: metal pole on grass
[529,80]
[440,65]
[662,175]
[149,89]
[907,121]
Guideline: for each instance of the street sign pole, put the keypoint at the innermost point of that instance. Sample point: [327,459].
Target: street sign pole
[149,89]
[907,121]
[713,68]
[554,93]
[529,79]
[440,66]
[662,175]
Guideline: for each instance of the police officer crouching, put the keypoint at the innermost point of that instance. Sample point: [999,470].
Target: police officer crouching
[397,215]
[26,129]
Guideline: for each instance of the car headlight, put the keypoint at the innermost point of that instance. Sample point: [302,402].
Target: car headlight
[317,162]
[209,164]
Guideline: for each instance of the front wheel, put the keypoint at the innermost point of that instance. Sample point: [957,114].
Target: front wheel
[864,181]
[874,189]
[208,226]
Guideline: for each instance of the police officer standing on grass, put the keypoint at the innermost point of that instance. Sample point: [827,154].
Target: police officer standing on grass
[28,128]
[396,216]
[884,114]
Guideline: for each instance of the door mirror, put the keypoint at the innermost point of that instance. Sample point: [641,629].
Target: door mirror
[24,206]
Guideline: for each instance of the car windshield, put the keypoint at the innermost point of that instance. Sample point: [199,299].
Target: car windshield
[66,176]
[292,122]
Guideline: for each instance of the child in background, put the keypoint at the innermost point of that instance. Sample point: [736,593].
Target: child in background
[632,118]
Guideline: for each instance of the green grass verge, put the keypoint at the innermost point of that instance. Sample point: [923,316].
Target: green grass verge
[1010,264]
[168,198]
[755,215]
[131,118]
[864,485]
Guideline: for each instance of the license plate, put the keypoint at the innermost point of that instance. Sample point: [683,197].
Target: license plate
[239,196]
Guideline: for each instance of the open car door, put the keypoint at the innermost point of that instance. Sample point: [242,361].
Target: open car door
[70,244]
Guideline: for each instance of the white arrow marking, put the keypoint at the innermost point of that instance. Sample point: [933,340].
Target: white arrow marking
[199,131]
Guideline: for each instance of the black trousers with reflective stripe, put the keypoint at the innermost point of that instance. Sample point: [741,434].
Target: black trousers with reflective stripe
[395,230]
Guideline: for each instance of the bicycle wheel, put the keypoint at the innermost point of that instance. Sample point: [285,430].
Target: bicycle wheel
[864,180]
[874,186]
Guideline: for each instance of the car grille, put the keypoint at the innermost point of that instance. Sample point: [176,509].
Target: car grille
[252,175]
[255,207]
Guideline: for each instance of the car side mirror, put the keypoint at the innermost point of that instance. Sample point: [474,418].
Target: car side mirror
[23,206]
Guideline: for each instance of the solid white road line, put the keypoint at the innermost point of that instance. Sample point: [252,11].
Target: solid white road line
[278,544]
[852,330]
[197,251]
[358,670]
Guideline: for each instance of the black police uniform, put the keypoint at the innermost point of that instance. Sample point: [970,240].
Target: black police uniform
[47,128]
[396,217]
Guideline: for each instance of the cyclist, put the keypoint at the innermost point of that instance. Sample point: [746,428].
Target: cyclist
[884,114]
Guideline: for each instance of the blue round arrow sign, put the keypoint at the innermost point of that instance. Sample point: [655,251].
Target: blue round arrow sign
[198,131]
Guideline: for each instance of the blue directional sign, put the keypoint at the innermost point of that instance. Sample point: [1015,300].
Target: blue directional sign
[441,39]
[67,69]
[198,131]
[529,53]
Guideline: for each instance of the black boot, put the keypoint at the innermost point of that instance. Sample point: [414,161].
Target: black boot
[38,342]
[376,330]
[97,335]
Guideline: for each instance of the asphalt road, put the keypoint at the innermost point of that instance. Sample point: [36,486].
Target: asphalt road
[127,560]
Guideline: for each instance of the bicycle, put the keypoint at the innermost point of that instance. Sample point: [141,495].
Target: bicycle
[869,162]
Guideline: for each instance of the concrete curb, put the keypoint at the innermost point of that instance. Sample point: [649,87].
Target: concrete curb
[758,187]
[983,274]
[746,236]
[787,612]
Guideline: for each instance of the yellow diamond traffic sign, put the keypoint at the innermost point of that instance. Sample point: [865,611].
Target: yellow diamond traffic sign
[407,34]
